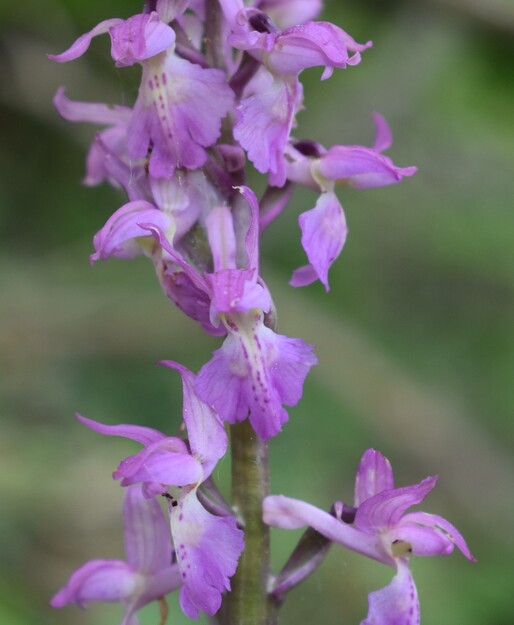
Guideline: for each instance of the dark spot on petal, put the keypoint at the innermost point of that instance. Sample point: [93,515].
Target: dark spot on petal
[308,148]
[262,23]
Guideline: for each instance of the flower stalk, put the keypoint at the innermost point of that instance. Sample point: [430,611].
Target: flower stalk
[247,603]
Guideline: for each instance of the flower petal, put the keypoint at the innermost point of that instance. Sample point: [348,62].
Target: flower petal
[421,541]
[323,236]
[90,112]
[255,370]
[303,276]
[230,9]
[170,114]
[146,530]
[208,548]
[206,434]
[220,382]
[374,475]
[139,38]
[236,290]
[438,525]
[222,239]
[308,45]
[192,300]
[196,279]
[160,465]
[82,43]
[98,580]
[171,9]
[118,236]
[362,168]
[396,604]
[288,513]
[264,120]
[386,509]
[287,13]
[294,359]
[252,235]
[107,160]
[383,136]
[139,433]
[273,202]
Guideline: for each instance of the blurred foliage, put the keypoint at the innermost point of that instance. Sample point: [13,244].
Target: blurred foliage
[415,340]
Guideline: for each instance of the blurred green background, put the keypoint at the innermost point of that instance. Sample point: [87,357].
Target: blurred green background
[415,340]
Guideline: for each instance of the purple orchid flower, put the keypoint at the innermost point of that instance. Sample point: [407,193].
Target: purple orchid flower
[148,573]
[208,547]
[378,527]
[324,227]
[266,114]
[256,371]
[169,115]
[172,204]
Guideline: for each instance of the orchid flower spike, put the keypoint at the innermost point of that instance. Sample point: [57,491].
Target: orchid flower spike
[207,546]
[378,526]
[148,573]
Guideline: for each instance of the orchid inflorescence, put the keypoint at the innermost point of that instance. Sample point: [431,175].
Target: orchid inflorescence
[220,86]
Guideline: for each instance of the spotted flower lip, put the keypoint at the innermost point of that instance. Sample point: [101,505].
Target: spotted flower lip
[208,547]
[381,529]
[145,576]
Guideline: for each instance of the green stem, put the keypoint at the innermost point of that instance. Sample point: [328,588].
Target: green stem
[247,603]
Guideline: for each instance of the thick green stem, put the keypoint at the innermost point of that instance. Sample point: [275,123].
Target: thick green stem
[247,603]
